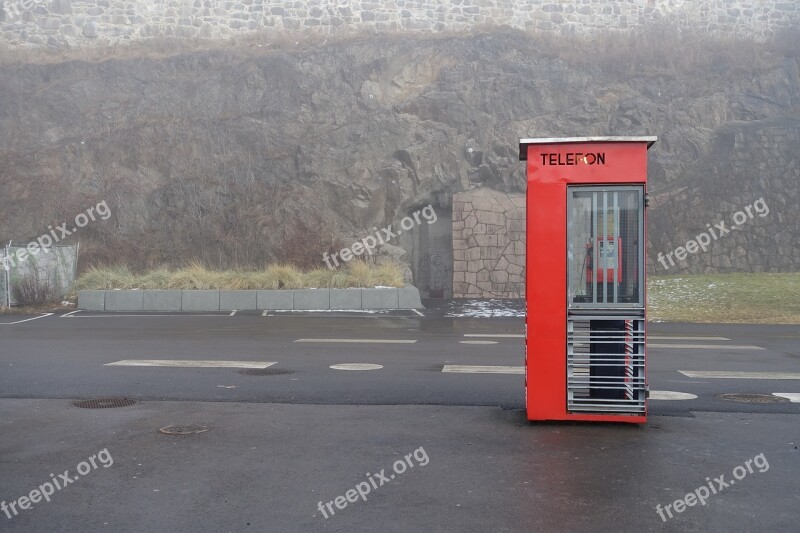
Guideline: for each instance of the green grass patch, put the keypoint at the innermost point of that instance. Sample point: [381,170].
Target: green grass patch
[725,298]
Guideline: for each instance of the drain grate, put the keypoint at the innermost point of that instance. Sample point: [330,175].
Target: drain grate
[104,403]
[751,398]
[183,430]
[265,371]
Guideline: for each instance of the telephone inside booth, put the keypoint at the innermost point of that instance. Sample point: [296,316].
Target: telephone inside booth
[610,257]
[610,254]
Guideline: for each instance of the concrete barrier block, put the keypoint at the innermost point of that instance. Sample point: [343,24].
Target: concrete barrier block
[161,300]
[380,298]
[275,300]
[92,300]
[238,300]
[309,299]
[200,300]
[409,298]
[345,298]
[204,300]
[124,300]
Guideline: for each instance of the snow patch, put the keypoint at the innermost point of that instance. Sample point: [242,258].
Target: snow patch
[494,308]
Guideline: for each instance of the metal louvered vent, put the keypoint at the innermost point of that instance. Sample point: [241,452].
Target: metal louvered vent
[605,364]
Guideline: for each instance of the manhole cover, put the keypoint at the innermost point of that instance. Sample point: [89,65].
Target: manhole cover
[751,398]
[183,430]
[265,371]
[103,403]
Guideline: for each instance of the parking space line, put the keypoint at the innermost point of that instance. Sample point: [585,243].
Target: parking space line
[343,313]
[705,346]
[721,374]
[152,315]
[26,320]
[420,314]
[192,364]
[356,366]
[360,341]
[668,395]
[67,315]
[793,397]
[670,338]
[477,369]
[651,337]
[496,335]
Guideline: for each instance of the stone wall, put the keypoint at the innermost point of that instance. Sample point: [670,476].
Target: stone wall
[489,226]
[752,161]
[76,23]
[488,244]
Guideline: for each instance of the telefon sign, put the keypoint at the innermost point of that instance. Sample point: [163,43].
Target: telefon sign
[573,158]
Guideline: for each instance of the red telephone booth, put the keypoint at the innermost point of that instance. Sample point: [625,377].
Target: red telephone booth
[585,279]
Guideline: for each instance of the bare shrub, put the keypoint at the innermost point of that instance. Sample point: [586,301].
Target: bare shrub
[33,289]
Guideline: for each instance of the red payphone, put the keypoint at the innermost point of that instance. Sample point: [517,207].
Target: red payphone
[610,256]
[586,307]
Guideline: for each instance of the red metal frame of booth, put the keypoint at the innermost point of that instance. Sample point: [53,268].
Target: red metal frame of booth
[552,166]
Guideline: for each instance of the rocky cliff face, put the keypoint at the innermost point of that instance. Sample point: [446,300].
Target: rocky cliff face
[240,156]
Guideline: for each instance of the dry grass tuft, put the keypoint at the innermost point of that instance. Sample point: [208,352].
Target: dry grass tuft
[197,277]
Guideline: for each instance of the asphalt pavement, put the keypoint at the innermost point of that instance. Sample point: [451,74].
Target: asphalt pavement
[300,407]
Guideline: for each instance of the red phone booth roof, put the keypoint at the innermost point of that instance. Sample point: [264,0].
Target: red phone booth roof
[524,143]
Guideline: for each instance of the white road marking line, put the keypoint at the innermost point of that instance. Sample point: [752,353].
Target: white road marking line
[475,369]
[721,374]
[153,315]
[361,314]
[264,313]
[670,338]
[68,315]
[356,366]
[793,397]
[233,313]
[477,342]
[420,314]
[650,337]
[26,320]
[496,335]
[705,346]
[361,341]
[670,395]
[226,386]
[191,364]
[301,312]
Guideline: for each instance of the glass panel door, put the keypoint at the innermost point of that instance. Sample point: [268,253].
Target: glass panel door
[605,251]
